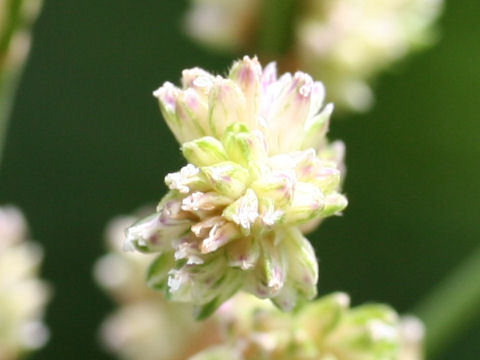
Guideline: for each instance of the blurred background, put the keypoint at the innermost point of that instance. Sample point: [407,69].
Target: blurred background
[87,142]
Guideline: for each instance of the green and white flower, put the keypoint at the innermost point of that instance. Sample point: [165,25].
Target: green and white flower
[259,170]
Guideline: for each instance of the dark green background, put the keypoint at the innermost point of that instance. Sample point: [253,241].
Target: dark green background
[87,143]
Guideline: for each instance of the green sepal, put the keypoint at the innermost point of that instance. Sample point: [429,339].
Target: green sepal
[157,272]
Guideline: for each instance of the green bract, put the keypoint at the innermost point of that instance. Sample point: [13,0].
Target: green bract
[260,170]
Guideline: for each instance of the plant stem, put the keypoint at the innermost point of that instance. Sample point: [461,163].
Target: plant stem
[12,18]
[9,72]
[276,28]
[8,85]
[452,306]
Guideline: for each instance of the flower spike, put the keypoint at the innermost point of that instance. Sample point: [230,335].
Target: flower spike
[260,169]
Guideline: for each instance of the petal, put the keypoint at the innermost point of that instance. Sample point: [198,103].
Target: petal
[269,75]
[227,105]
[334,204]
[243,212]
[308,202]
[289,110]
[167,96]
[199,80]
[243,253]
[154,233]
[316,128]
[246,73]
[317,97]
[269,275]
[321,173]
[302,263]
[192,115]
[219,235]
[269,214]
[199,201]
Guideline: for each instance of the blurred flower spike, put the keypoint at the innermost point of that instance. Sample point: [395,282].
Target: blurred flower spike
[23,295]
[260,171]
[344,43]
[325,329]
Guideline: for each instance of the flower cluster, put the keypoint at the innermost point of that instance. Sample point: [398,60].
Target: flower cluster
[345,43]
[144,326]
[260,171]
[22,295]
[324,329]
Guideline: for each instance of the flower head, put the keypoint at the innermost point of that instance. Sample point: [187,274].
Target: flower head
[259,169]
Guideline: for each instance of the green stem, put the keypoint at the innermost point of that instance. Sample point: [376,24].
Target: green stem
[276,28]
[8,85]
[12,19]
[9,73]
[452,306]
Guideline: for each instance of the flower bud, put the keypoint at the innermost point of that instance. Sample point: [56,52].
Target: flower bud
[316,128]
[243,253]
[334,204]
[245,148]
[246,73]
[308,201]
[227,178]
[192,115]
[199,201]
[204,151]
[302,276]
[269,276]
[244,211]
[278,186]
[189,178]
[227,106]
